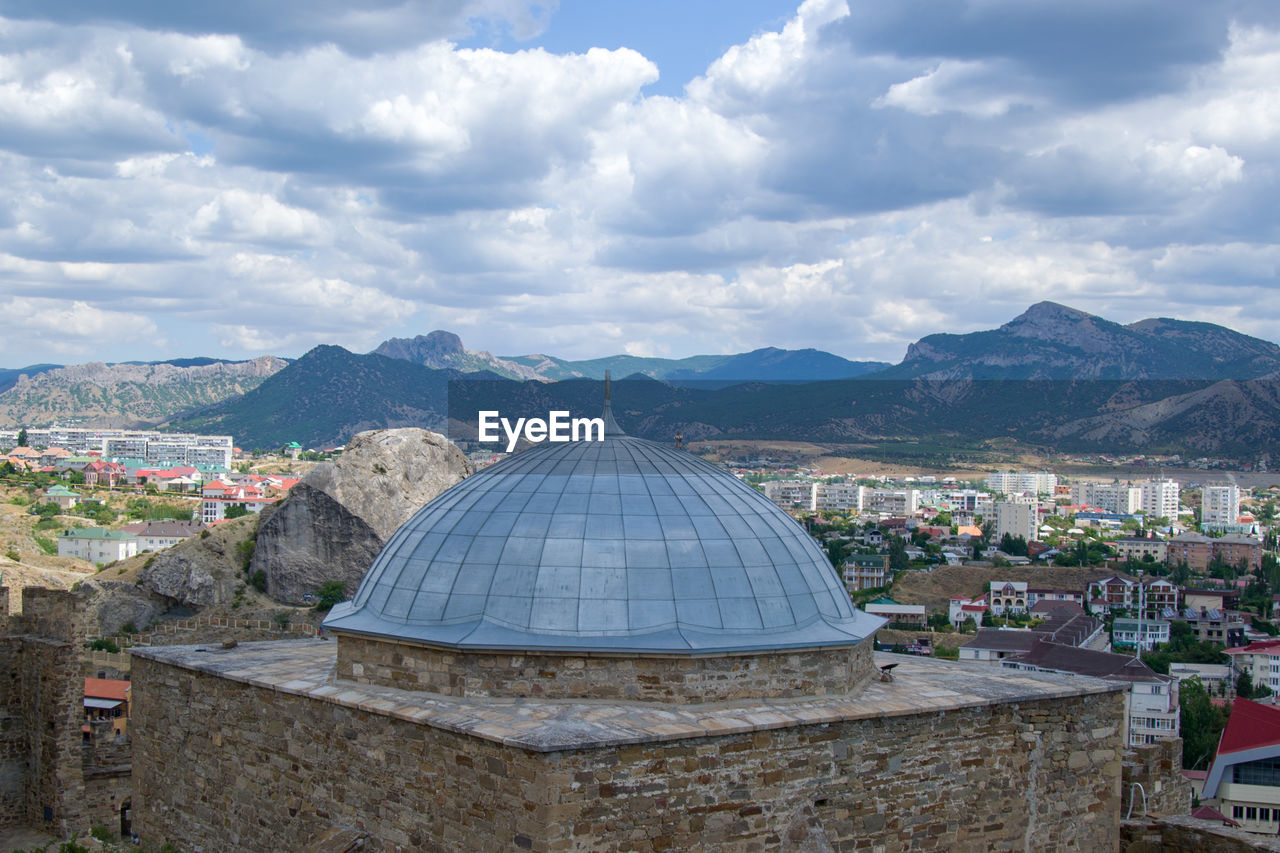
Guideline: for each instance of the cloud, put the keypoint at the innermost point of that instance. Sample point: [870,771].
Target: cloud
[266,179]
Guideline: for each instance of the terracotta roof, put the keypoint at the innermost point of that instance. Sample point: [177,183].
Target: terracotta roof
[106,688]
[1251,725]
[1210,813]
[1268,646]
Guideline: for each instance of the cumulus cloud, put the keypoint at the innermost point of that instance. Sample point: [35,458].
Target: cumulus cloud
[250,179]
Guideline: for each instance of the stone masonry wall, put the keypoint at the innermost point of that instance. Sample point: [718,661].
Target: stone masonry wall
[1157,768]
[225,765]
[41,708]
[677,679]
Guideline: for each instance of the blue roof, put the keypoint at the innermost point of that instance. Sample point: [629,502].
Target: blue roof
[613,545]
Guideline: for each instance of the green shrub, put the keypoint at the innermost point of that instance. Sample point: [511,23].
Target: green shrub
[102,644]
[47,545]
[102,834]
[13,554]
[329,594]
[258,580]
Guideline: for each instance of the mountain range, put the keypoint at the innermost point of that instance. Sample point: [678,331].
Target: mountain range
[1054,377]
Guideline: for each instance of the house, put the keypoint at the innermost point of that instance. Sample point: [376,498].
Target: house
[158,535]
[1151,703]
[1153,595]
[1136,549]
[1008,597]
[1209,599]
[1236,549]
[99,473]
[898,614]
[1214,676]
[1037,594]
[1064,623]
[1148,633]
[107,699]
[1244,780]
[1223,627]
[961,610]
[1261,660]
[97,544]
[865,571]
[62,496]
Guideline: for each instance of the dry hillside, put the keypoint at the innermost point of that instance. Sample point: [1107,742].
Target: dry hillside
[934,589]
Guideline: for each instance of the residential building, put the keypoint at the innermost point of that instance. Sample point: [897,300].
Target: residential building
[1016,519]
[1262,662]
[1008,597]
[1152,594]
[157,448]
[1219,506]
[895,502]
[108,699]
[158,535]
[1216,677]
[1151,702]
[1009,483]
[1035,595]
[1194,549]
[1148,633]
[865,571]
[1209,599]
[1137,549]
[62,496]
[1236,549]
[961,610]
[1159,498]
[97,544]
[901,614]
[1115,497]
[1224,627]
[1244,778]
[1064,623]
[790,494]
[836,497]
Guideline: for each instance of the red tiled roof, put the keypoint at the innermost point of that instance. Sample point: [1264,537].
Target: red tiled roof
[1270,646]
[1210,813]
[106,688]
[1251,725]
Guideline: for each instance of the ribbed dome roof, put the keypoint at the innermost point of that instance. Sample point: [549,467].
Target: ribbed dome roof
[614,545]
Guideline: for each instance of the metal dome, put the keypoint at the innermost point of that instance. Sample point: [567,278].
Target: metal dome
[620,545]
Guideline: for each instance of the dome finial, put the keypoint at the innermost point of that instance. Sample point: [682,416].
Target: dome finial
[610,425]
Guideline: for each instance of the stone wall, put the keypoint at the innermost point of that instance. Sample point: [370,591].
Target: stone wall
[1186,834]
[223,764]
[41,708]
[1157,767]
[675,679]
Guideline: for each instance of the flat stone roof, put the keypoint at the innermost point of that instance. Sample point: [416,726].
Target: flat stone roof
[920,686]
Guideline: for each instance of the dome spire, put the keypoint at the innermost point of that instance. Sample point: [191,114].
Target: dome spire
[610,425]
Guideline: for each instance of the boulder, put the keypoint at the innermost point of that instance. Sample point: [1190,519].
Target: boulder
[338,518]
[203,570]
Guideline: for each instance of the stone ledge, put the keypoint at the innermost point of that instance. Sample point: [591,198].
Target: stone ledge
[307,668]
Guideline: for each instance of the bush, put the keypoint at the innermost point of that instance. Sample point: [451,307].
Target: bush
[128,628]
[101,833]
[258,580]
[47,545]
[329,594]
[13,554]
[102,644]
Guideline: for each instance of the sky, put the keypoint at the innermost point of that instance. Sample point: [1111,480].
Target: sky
[592,177]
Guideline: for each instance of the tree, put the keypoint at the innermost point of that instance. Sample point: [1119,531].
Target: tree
[1244,685]
[235,511]
[1201,724]
[22,437]
[898,555]
[1015,545]
[329,594]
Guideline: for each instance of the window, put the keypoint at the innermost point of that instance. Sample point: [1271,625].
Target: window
[1264,814]
[1237,812]
[1265,771]
[1250,813]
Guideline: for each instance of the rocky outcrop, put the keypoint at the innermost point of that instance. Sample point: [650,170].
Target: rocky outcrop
[203,570]
[336,521]
[110,605]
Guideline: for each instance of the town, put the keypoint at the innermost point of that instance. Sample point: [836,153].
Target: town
[1165,588]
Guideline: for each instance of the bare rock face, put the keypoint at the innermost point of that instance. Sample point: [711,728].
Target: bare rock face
[203,570]
[336,521]
[111,604]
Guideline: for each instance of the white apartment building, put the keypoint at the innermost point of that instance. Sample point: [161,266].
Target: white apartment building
[790,494]
[156,448]
[1017,519]
[1220,506]
[898,502]
[836,497]
[1160,498]
[1144,632]
[1111,497]
[1018,482]
[1260,660]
